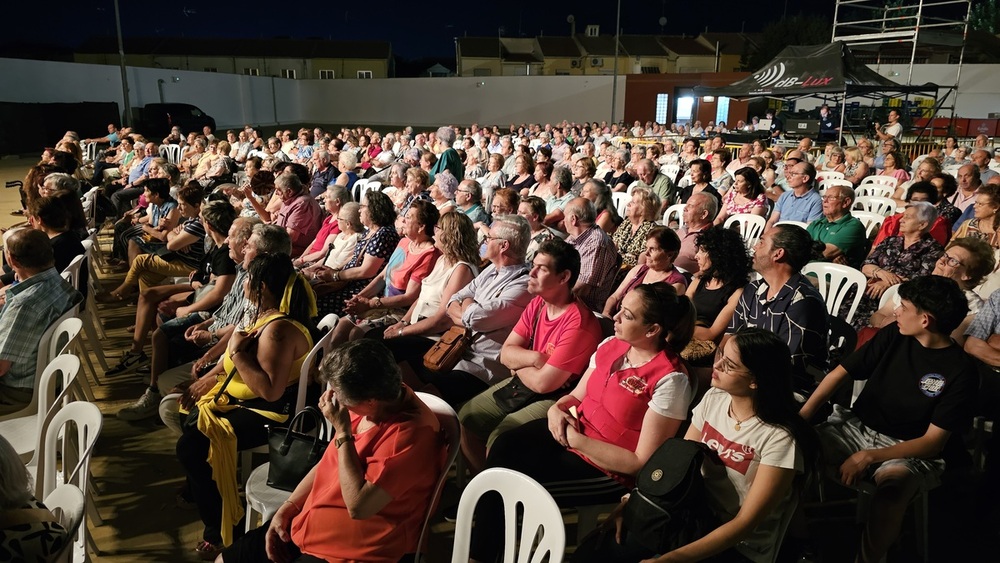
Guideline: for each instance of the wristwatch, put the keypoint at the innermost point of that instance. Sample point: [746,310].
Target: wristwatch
[343,440]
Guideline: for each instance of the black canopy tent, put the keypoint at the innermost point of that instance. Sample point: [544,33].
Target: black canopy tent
[801,71]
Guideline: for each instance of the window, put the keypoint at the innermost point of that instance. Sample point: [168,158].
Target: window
[651,70]
[211,69]
[326,75]
[562,72]
[482,72]
[251,71]
[364,74]
[288,73]
[661,108]
[722,109]
[685,109]
[593,30]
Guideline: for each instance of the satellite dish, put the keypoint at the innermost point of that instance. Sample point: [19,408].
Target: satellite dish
[663,21]
[570,18]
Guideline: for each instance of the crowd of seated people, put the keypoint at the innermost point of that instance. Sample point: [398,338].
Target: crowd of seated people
[514,235]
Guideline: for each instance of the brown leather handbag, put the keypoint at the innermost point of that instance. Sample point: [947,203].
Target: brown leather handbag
[446,352]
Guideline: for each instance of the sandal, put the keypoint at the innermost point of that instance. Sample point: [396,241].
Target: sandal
[17,212]
[207,551]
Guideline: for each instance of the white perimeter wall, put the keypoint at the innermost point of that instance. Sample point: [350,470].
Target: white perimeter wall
[234,100]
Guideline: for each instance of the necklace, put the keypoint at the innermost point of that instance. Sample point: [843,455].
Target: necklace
[739,423]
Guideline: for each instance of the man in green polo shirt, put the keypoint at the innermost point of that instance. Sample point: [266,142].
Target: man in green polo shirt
[842,234]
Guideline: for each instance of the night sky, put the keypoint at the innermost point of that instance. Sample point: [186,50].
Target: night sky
[415,29]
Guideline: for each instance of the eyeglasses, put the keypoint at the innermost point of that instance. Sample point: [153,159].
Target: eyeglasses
[951,260]
[729,367]
[488,238]
[831,197]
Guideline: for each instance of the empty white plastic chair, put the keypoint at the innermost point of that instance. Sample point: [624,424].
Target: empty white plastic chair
[451,430]
[670,171]
[834,282]
[541,517]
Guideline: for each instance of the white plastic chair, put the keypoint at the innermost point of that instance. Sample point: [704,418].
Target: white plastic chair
[750,226]
[882,205]
[880,180]
[874,190]
[802,224]
[89,152]
[829,175]
[66,503]
[888,295]
[53,390]
[631,187]
[171,152]
[670,171]
[827,183]
[674,213]
[834,282]
[451,429]
[540,514]
[871,221]
[58,442]
[620,200]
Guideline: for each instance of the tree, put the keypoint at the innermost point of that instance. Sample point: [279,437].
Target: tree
[985,16]
[796,30]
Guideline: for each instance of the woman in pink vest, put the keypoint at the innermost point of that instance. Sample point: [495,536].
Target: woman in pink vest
[634,396]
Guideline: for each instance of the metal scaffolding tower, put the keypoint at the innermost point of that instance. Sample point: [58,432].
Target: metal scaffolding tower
[874,27]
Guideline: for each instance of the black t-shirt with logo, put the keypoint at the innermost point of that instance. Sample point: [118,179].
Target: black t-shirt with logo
[911,387]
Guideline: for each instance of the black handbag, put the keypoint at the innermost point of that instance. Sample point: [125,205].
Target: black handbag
[667,507]
[293,452]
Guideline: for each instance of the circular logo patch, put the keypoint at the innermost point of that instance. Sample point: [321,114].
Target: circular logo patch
[656,475]
[932,384]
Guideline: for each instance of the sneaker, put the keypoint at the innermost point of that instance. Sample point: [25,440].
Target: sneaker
[146,407]
[129,361]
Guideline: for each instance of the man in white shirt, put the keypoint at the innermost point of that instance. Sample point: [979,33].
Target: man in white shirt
[892,130]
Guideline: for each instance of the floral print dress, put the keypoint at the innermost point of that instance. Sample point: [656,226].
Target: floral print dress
[907,263]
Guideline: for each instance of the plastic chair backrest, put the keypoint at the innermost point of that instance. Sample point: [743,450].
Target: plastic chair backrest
[802,224]
[540,514]
[670,171]
[887,295]
[452,430]
[53,391]
[834,284]
[171,152]
[66,502]
[750,226]
[890,181]
[88,421]
[830,175]
[328,322]
[830,182]
[90,152]
[631,187]
[875,190]
[620,199]
[871,221]
[882,205]
[675,211]
[73,269]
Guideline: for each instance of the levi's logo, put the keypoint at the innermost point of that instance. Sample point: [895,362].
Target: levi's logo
[732,454]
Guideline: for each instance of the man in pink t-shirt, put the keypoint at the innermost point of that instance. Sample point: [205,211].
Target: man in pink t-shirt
[548,350]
